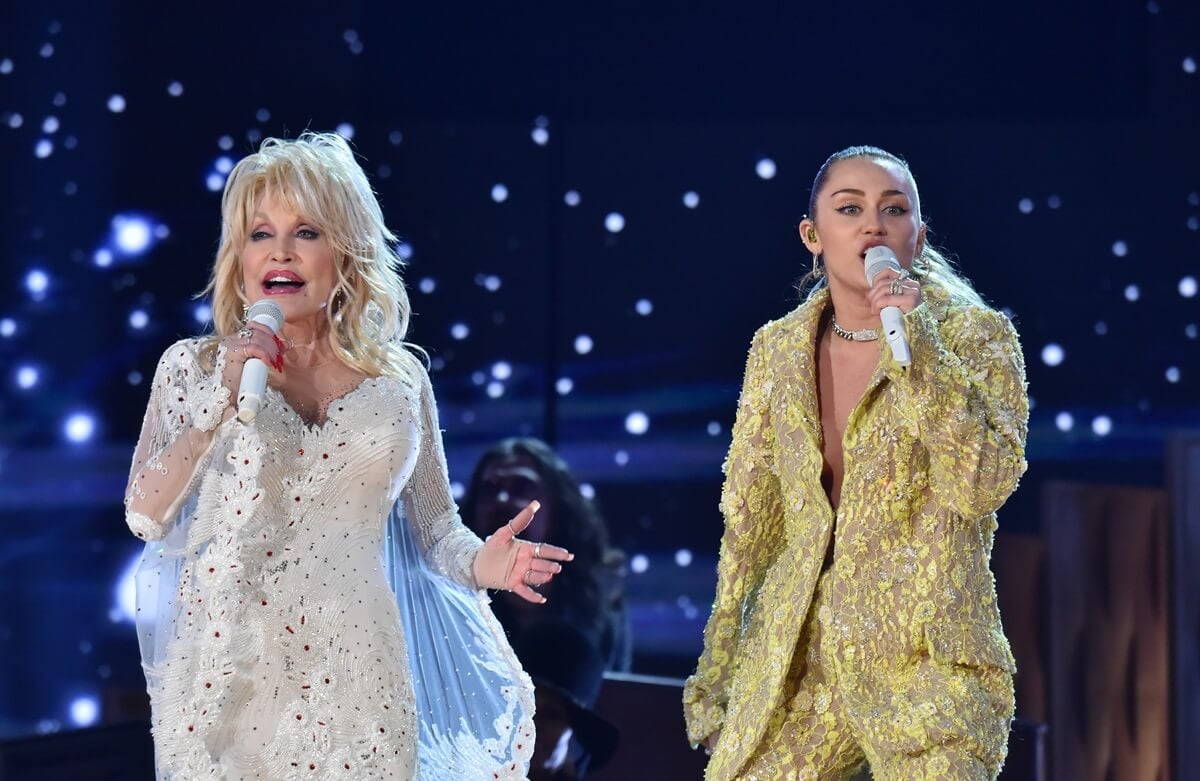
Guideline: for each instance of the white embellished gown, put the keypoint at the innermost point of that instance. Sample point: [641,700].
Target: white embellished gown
[306,605]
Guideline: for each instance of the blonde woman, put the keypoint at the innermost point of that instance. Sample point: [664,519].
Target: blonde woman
[310,604]
[855,618]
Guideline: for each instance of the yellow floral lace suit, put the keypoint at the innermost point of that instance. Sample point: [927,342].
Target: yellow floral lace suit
[915,660]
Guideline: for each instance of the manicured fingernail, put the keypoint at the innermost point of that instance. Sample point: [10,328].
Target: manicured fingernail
[543,600]
[535,505]
[570,557]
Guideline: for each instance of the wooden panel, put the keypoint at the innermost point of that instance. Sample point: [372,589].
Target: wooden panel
[1108,666]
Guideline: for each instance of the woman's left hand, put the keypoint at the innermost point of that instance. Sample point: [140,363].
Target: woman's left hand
[894,289]
[516,565]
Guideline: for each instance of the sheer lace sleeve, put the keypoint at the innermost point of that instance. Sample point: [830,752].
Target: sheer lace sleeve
[186,405]
[753,510]
[448,545]
[965,397]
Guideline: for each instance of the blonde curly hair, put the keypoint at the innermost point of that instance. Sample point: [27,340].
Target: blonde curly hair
[317,176]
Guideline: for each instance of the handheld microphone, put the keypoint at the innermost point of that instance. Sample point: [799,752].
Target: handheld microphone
[879,259]
[254,371]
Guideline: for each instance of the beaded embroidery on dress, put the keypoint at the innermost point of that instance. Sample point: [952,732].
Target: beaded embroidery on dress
[306,607]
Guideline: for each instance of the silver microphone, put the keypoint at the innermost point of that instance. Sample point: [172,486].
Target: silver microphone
[254,371]
[879,259]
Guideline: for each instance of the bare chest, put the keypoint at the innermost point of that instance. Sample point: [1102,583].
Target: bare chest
[842,379]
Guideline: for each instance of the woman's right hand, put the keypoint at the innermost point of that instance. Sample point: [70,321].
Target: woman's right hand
[254,340]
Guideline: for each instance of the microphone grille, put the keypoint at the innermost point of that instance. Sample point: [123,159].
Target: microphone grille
[268,309]
[878,259]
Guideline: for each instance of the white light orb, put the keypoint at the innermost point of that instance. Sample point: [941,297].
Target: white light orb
[84,711]
[79,427]
[27,377]
[1052,354]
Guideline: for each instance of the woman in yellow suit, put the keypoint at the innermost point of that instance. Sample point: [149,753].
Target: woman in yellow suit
[855,618]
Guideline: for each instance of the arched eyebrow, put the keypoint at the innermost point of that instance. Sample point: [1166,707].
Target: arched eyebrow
[852,191]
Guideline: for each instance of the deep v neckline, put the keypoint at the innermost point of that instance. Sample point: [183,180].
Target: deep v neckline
[318,426]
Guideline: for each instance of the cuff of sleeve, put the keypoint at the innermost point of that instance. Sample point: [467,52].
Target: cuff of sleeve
[143,527]
[703,716]
[210,397]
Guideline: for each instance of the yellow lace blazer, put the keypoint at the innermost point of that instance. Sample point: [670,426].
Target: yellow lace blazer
[931,452]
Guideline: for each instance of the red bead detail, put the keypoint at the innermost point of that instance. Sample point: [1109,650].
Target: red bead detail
[301,451]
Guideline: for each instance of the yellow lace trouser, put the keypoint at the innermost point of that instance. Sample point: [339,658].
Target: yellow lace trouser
[815,735]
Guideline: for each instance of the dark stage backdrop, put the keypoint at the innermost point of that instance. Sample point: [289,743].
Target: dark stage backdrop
[597,209]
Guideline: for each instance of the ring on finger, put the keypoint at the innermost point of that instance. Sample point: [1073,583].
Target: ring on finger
[245,332]
[537,551]
[528,582]
[897,288]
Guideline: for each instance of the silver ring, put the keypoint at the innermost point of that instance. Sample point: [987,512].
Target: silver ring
[897,288]
[245,332]
[537,551]
[904,273]
[528,572]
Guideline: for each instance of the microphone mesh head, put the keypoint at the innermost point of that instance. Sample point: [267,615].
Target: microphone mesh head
[878,259]
[265,308]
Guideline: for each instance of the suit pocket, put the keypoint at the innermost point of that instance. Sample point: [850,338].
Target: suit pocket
[970,645]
